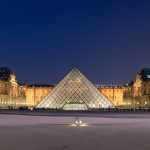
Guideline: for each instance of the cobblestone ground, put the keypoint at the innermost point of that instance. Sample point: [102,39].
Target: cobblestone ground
[20,132]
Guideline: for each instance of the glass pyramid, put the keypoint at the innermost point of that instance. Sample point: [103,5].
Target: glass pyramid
[75,92]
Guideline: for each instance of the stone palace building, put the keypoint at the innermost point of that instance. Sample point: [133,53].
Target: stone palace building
[14,94]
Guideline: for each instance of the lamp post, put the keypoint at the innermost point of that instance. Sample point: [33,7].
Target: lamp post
[129,105]
[145,105]
[124,105]
[137,105]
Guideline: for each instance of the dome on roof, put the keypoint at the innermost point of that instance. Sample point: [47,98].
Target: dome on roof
[5,73]
[145,73]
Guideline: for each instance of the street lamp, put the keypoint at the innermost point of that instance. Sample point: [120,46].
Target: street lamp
[137,103]
[145,105]
[129,105]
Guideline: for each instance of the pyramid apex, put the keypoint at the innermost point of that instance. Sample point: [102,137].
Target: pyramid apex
[75,68]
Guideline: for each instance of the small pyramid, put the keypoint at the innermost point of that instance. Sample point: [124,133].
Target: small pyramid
[75,92]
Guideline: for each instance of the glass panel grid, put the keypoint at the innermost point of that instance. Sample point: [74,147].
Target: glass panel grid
[75,92]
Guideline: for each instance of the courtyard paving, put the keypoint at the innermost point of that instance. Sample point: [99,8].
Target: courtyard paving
[113,132]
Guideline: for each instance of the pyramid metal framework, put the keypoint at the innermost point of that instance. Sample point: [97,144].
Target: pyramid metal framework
[75,92]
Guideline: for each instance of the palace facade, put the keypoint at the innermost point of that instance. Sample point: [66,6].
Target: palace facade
[114,93]
[137,92]
[14,94]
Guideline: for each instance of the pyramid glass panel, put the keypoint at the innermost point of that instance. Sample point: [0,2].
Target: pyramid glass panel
[75,92]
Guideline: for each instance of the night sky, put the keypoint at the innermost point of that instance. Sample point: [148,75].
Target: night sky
[108,41]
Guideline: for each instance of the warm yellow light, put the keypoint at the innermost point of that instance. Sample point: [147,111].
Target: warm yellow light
[83,125]
[145,103]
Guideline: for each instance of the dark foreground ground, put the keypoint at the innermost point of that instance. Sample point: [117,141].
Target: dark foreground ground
[56,131]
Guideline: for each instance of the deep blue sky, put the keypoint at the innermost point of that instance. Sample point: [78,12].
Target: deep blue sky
[107,40]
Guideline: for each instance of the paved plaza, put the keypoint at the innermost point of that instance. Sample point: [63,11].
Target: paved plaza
[101,132]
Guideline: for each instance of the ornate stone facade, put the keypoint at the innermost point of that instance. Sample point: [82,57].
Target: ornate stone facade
[11,93]
[14,94]
[35,93]
[137,93]
[113,93]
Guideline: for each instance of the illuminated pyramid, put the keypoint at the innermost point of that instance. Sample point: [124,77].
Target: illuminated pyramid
[75,92]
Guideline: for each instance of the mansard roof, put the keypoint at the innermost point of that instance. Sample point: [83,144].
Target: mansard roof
[5,73]
[40,85]
[145,74]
